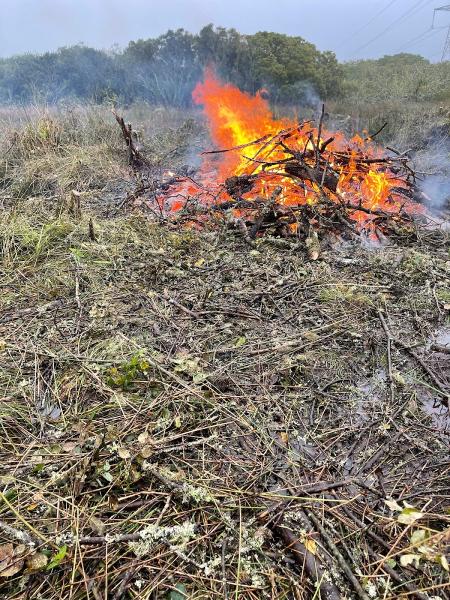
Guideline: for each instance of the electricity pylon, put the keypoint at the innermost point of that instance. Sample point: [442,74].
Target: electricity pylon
[446,49]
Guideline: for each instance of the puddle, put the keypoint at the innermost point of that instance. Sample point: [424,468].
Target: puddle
[442,337]
[439,413]
[432,405]
[370,392]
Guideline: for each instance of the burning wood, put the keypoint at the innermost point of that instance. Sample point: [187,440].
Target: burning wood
[324,179]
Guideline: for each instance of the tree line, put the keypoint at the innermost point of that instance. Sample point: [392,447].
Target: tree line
[164,71]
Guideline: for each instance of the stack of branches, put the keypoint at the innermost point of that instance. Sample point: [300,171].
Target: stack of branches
[301,186]
[291,184]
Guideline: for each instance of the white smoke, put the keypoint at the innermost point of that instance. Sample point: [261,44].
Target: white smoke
[433,166]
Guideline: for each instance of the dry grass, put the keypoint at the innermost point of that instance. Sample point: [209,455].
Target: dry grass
[50,151]
[172,403]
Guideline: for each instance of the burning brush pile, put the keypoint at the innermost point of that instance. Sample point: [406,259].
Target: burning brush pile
[289,178]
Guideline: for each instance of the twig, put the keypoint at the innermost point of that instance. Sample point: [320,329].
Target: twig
[389,347]
[306,560]
[372,135]
[338,556]
[18,534]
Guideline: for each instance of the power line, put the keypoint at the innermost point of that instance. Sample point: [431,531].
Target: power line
[409,13]
[446,7]
[374,18]
[422,37]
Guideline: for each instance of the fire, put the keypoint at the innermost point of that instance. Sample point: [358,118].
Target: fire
[234,119]
[262,154]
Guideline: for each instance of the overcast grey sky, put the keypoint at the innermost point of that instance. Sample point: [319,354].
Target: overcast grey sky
[351,28]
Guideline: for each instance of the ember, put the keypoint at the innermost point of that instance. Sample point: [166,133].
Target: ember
[289,176]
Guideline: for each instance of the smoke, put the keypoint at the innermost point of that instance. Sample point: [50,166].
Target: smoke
[437,189]
[434,164]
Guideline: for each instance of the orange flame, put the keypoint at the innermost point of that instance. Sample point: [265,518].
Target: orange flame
[236,119]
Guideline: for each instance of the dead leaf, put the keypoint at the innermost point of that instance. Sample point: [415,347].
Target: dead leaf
[393,505]
[20,549]
[313,246]
[143,437]
[409,559]
[10,564]
[310,545]
[69,446]
[146,452]
[6,551]
[96,525]
[37,561]
[443,562]
[419,536]
[12,569]
[409,515]
[123,453]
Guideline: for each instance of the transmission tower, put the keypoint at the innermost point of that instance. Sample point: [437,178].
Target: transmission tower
[446,49]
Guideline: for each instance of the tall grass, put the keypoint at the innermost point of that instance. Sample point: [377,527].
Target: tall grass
[45,150]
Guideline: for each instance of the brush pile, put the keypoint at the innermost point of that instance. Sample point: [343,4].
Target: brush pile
[287,189]
[286,178]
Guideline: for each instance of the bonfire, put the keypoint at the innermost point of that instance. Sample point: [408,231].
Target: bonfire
[286,176]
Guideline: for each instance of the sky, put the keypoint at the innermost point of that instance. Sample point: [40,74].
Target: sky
[353,29]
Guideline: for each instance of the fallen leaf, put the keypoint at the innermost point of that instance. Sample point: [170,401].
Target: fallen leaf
[123,453]
[96,525]
[12,569]
[179,593]
[398,378]
[143,437]
[391,562]
[393,505]
[311,336]
[443,562]
[313,246]
[146,452]
[310,545]
[20,549]
[199,377]
[240,342]
[37,561]
[409,515]
[419,536]
[409,559]
[108,477]
[69,446]
[6,551]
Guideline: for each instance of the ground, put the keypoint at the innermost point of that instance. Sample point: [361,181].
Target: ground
[187,416]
